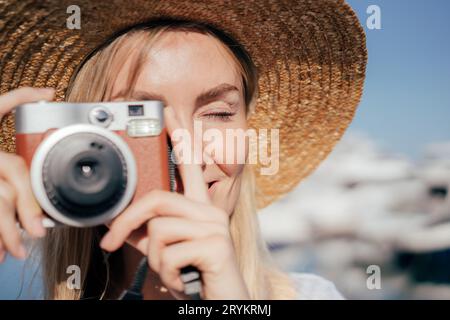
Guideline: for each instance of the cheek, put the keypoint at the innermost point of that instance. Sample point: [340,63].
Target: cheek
[228,145]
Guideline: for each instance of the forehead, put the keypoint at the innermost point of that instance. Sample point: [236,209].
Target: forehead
[187,59]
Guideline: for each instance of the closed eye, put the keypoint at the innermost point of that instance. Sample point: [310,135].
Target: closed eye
[226,116]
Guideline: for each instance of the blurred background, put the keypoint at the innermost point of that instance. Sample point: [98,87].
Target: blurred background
[381,198]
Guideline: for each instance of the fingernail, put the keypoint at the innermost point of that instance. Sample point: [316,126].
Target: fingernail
[106,239]
[22,252]
[38,227]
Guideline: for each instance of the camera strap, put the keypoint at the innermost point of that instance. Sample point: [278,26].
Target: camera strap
[190,276]
[134,292]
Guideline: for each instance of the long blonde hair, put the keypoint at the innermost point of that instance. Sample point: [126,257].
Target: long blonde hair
[74,246]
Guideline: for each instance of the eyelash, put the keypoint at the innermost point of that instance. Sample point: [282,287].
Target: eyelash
[220,115]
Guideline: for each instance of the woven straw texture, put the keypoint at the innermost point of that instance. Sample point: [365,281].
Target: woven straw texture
[311,57]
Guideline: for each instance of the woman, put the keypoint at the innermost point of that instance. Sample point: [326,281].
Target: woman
[259,64]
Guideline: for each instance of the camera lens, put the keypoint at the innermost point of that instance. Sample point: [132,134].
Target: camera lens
[84,175]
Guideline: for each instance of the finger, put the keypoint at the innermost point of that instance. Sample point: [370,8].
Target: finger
[197,253]
[2,251]
[175,257]
[210,256]
[163,231]
[16,97]
[9,232]
[7,193]
[191,173]
[157,203]
[139,239]
[15,172]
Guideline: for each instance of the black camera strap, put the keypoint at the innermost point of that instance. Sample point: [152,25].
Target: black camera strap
[134,292]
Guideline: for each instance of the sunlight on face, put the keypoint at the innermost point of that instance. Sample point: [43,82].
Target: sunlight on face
[195,75]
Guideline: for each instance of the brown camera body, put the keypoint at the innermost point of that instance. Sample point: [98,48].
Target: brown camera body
[143,150]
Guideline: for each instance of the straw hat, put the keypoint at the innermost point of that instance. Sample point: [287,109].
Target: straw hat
[310,54]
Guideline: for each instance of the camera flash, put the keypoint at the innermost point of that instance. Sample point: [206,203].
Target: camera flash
[143,127]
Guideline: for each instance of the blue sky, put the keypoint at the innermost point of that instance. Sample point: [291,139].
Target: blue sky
[406,103]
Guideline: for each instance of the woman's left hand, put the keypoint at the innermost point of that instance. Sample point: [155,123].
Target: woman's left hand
[182,230]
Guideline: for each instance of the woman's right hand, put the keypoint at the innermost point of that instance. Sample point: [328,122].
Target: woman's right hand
[17,202]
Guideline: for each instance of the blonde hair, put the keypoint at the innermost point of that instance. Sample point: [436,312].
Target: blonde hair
[73,246]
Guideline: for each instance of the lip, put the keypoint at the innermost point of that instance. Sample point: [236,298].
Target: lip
[211,187]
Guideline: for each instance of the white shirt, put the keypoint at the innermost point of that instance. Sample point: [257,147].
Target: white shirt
[313,287]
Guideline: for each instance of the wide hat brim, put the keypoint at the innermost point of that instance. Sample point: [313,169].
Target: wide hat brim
[311,57]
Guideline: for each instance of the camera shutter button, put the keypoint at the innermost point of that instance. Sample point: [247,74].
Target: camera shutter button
[100,116]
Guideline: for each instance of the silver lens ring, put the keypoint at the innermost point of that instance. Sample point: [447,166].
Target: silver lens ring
[39,189]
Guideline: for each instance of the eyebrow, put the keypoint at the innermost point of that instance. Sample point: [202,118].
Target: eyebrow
[214,94]
[202,99]
[140,95]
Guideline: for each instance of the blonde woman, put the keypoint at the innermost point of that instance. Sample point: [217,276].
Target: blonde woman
[297,67]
